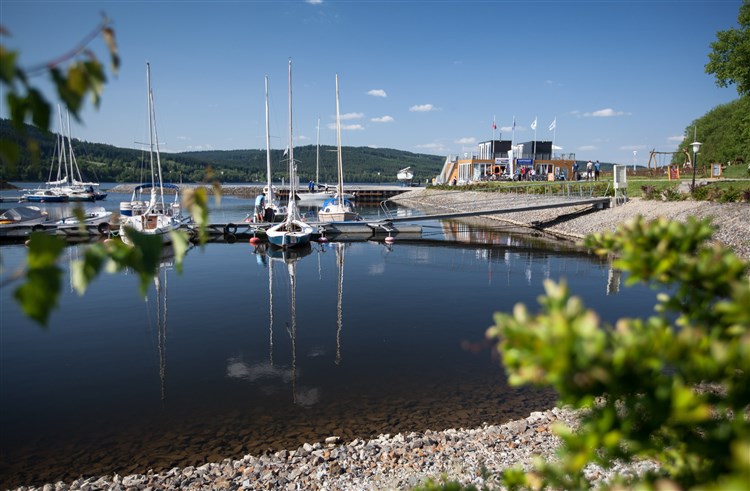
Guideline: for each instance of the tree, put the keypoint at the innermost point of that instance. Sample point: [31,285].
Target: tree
[729,61]
[673,388]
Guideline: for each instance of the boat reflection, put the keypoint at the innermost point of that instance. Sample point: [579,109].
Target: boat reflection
[237,368]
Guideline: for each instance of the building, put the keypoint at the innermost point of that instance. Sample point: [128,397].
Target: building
[499,159]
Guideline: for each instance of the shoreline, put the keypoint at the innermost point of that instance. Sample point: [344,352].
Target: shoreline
[471,456]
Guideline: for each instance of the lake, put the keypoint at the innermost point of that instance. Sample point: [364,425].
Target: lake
[250,350]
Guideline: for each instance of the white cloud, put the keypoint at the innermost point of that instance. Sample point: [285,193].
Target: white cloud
[434,147]
[422,108]
[183,138]
[587,148]
[605,113]
[469,140]
[346,127]
[348,116]
[383,119]
[676,139]
[377,93]
[507,129]
[314,2]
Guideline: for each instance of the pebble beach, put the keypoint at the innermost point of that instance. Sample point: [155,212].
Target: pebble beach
[473,456]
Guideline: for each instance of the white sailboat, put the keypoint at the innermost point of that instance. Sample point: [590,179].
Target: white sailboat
[293,231]
[315,196]
[338,208]
[268,208]
[152,216]
[65,187]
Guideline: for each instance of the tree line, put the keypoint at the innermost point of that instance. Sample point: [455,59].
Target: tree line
[108,163]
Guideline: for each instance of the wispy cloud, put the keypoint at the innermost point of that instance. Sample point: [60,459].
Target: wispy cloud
[346,127]
[383,119]
[349,116]
[314,2]
[468,140]
[587,148]
[676,139]
[377,93]
[422,108]
[605,113]
[433,147]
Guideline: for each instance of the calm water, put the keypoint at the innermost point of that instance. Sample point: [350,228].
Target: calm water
[247,351]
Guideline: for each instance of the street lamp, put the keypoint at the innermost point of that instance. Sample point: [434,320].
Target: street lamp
[696,148]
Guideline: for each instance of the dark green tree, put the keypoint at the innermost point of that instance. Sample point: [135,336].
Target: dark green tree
[729,61]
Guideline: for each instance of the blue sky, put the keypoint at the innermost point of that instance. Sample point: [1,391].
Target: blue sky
[422,76]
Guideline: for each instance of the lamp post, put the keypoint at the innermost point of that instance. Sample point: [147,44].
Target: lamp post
[696,148]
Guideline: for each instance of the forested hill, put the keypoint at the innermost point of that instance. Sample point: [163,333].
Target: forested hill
[107,163]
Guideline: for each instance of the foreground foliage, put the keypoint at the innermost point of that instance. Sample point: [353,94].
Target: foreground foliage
[673,388]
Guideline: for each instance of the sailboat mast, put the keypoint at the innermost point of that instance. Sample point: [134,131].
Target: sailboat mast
[70,155]
[340,186]
[268,150]
[62,160]
[291,139]
[150,125]
[317,156]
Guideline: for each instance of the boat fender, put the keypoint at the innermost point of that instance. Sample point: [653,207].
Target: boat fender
[323,239]
[390,240]
[254,241]
[230,238]
[37,228]
[230,229]
[103,228]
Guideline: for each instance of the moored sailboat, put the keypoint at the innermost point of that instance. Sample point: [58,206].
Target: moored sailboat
[338,208]
[293,231]
[268,207]
[152,216]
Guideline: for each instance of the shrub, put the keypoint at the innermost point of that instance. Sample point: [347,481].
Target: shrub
[637,380]
[648,192]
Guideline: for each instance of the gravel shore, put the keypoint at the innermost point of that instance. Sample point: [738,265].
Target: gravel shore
[470,456]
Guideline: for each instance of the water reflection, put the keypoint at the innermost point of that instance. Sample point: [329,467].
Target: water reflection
[257,355]
[267,256]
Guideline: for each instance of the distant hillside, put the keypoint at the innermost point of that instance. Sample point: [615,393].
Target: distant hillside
[108,163]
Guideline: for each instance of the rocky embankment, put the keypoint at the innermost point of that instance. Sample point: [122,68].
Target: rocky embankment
[471,456]
[732,220]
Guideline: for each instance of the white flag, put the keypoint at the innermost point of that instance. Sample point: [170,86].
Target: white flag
[553,124]
[533,125]
[286,151]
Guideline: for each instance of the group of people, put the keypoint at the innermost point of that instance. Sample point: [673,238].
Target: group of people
[592,171]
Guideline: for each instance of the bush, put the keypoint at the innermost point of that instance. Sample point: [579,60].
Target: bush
[638,380]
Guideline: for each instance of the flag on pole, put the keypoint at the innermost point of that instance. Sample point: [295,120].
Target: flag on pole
[553,124]
[494,126]
[533,124]
[514,123]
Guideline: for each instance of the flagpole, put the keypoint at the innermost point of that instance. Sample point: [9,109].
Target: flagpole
[534,154]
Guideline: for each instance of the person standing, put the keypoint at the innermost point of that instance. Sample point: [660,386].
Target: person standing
[589,170]
[575,171]
[597,170]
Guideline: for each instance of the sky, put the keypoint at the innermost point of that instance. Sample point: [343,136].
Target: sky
[617,77]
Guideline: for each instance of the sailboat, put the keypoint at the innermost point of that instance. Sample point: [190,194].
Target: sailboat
[268,208]
[338,208]
[65,187]
[293,231]
[152,216]
[315,196]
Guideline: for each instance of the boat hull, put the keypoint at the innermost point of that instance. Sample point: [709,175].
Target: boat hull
[294,234]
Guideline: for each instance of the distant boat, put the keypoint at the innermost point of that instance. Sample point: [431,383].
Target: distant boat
[405,174]
[98,217]
[152,216]
[22,220]
[338,208]
[268,208]
[293,231]
[318,193]
[65,186]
